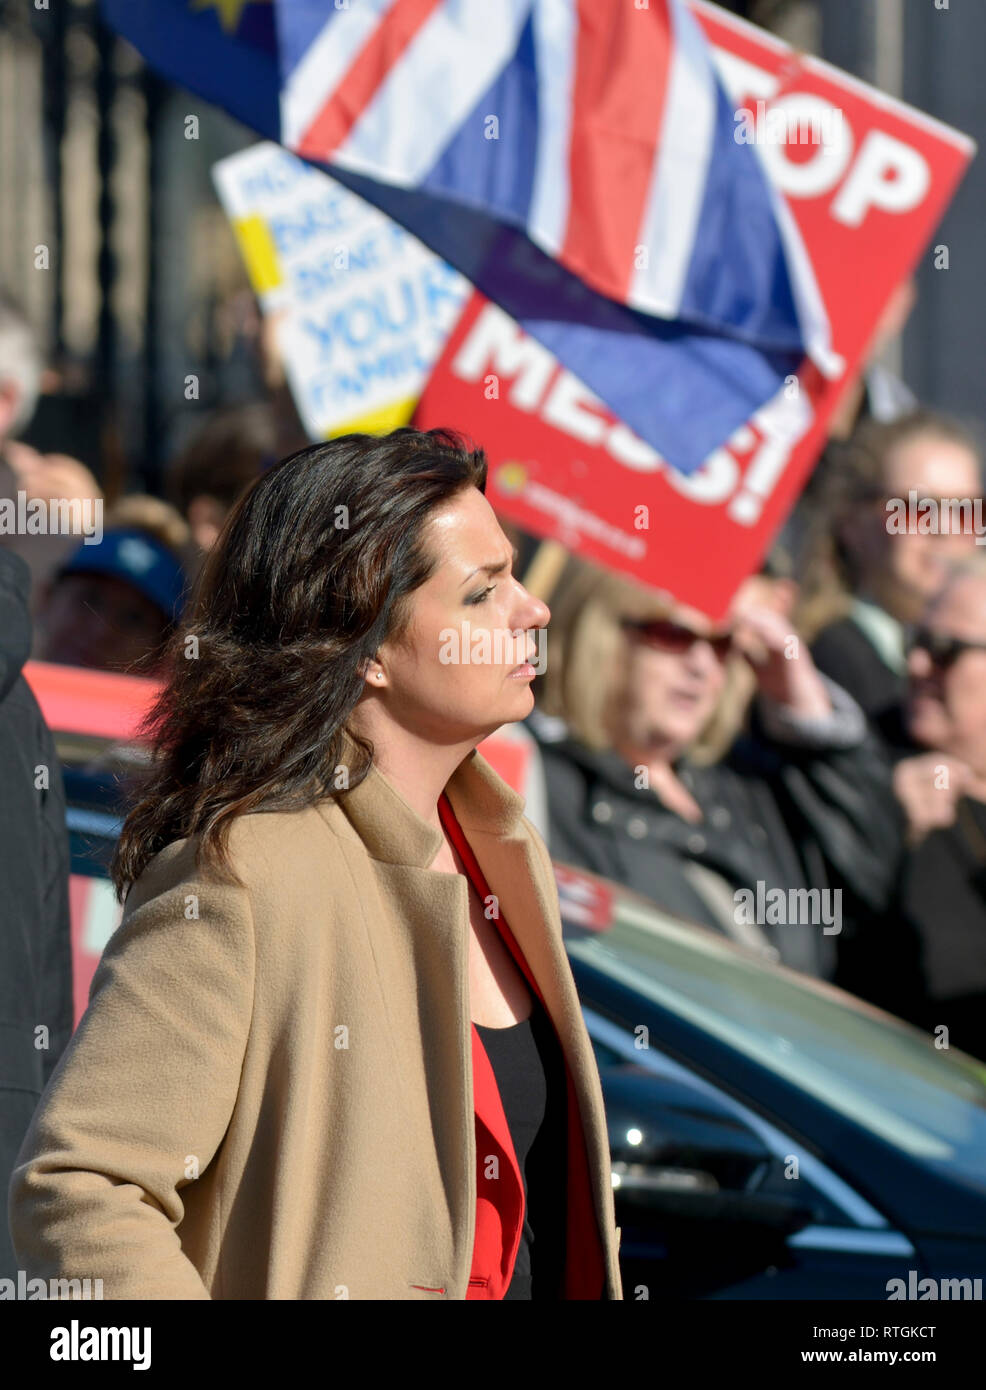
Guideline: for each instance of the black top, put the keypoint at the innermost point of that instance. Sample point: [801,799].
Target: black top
[943,901]
[926,959]
[846,655]
[529,1067]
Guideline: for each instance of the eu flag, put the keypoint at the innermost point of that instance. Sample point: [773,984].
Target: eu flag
[223,50]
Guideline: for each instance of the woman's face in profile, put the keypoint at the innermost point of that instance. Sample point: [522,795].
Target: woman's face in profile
[672,682]
[452,678]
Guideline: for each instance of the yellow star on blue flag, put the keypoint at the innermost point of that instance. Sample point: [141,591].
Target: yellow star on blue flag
[229,11]
[222,50]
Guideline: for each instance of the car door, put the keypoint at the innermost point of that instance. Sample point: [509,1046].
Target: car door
[715,1202]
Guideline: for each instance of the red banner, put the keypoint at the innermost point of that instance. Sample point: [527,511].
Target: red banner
[867,180]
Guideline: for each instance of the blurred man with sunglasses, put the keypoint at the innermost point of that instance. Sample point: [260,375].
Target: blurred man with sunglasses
[936,931]
[944,707]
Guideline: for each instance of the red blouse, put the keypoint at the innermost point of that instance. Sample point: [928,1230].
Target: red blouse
[500,1215]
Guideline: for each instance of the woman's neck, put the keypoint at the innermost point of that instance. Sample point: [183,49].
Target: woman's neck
[661,756]
[417,769]
[662,779]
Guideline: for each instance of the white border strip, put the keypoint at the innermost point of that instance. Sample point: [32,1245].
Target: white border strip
[555,39]
[452,59]
[669,225]
[331,55]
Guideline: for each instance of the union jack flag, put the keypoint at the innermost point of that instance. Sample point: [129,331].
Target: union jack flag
[576,160]
[593,134]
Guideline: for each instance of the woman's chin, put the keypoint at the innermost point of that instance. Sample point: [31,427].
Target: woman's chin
[682,729]
[524,694]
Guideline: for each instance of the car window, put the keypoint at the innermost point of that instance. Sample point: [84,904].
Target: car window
[885,1075]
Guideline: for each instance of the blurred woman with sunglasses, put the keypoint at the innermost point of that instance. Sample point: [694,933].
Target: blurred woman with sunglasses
[651,782]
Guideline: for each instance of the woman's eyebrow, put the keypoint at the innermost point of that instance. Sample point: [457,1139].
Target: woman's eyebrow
[493,567]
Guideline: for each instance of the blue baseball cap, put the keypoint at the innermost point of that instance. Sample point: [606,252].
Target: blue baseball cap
[140,560]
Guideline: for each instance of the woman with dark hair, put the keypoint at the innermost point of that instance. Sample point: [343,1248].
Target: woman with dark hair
[334,1048]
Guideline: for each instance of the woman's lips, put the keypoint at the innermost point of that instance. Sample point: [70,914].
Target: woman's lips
[523,672]
[687,699]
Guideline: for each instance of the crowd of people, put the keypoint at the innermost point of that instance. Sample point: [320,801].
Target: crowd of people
[830,735]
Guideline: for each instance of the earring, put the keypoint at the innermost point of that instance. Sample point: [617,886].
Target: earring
[379,675]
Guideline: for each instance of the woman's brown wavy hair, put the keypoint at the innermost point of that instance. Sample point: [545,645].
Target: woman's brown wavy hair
[313,571]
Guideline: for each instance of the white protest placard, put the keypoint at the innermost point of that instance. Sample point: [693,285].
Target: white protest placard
[364,308]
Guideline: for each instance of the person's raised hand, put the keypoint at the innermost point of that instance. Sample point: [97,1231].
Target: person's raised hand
[780,660]
[928,787]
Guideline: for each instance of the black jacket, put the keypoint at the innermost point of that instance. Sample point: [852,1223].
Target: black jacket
[935,972]
[845,653]
[35,937]
[785,815]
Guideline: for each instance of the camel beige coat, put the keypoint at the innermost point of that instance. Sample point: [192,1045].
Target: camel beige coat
[270,1093]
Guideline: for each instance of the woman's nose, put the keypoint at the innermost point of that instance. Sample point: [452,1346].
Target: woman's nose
[536,612]
[919,663]
[701,658]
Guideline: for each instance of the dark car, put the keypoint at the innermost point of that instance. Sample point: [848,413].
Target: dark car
[771,1136]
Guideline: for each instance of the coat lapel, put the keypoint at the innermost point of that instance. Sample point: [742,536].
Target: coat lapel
[490,813]
[434,910]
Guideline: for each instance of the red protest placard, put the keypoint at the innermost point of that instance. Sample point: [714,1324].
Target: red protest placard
[866,179]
